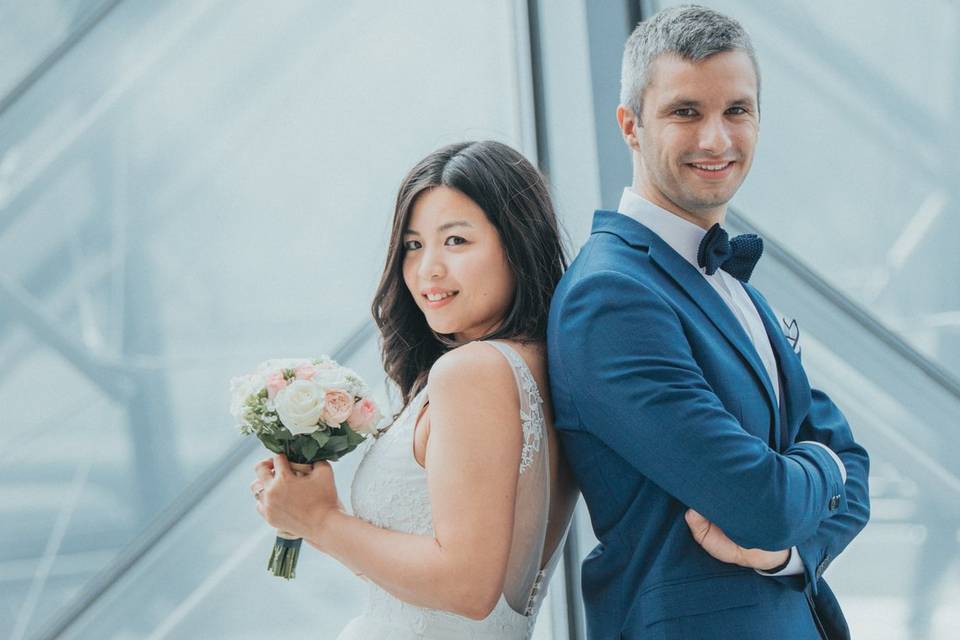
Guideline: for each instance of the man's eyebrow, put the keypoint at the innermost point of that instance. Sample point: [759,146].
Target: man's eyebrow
[443,227]
[743,102]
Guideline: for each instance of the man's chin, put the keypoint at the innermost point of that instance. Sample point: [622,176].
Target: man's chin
[717,196]
[707,205]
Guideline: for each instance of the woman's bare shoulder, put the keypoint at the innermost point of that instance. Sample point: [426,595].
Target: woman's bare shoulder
[473,365]
[475,380]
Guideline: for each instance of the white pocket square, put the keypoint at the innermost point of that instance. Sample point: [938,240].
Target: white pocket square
[791,331]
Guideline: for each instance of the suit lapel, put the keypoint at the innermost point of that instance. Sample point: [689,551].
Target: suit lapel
[791,371]
[696,287]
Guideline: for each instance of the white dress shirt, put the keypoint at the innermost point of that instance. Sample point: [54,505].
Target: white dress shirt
[684,237]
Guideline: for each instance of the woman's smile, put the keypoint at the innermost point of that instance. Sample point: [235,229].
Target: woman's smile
[436,298]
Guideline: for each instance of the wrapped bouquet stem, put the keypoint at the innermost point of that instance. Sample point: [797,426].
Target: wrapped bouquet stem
[286,548]
[310,410]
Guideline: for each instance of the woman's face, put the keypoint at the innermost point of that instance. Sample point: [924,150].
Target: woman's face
[454,265]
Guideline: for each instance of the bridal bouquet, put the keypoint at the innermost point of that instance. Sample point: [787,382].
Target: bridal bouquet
[309,410]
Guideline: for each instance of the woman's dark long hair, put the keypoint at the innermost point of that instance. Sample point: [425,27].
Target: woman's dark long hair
[514,196]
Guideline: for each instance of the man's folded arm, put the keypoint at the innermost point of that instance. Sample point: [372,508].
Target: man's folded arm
[826,424]
[638,388]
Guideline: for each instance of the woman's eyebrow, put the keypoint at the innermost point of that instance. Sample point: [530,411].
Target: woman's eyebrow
[454,223]
[443,227]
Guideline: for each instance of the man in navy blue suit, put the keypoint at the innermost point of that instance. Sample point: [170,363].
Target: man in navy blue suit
[719,484]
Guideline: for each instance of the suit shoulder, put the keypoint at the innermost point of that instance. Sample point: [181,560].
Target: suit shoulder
[608,252]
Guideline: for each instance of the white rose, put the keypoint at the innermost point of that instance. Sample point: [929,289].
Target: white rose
[240,389]
[300,405]
[330,378]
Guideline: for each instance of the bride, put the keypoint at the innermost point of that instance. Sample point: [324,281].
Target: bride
[462,505]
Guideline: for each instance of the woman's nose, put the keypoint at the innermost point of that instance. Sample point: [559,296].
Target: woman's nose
[431,266]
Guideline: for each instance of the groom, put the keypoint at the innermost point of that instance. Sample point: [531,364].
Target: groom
[719,484]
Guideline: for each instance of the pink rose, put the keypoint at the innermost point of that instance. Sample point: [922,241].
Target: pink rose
[364,417]
[275,382]
[305,372]
[337,407]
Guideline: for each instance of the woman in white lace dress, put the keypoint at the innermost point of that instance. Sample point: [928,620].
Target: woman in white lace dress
[462,505]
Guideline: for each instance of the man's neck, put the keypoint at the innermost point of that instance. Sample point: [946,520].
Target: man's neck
[704,219]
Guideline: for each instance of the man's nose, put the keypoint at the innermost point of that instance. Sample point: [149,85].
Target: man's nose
[714,136]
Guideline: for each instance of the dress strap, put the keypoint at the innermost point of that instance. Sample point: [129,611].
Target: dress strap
[531,403]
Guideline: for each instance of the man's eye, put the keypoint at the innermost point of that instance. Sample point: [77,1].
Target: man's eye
[456,239]
[411,245]
[736,111]
[684,113]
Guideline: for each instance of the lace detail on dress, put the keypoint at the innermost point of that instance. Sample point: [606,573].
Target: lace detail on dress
[531,406]
[390,491]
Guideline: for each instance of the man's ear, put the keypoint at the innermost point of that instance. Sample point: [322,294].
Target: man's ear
[629,123]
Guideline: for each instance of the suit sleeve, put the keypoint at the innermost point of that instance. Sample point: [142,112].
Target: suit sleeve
[825,423]
[636,386]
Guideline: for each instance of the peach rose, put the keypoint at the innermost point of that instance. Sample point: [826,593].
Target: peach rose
[337,407]
[275,382]
[305,372]
[365,417]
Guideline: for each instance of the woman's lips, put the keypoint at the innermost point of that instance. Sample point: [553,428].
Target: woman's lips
[436,304]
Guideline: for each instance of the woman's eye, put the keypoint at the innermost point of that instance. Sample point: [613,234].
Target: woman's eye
[411,245]
[455,240]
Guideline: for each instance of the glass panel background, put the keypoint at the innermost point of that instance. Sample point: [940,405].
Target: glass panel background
[198,186]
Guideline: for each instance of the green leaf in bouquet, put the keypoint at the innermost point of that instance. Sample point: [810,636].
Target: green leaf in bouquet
[308,448]
[270,442]
[336,444]
[282,434]
[353,437]
[321,436]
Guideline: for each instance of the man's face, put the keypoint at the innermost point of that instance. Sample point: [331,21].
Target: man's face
[699,129]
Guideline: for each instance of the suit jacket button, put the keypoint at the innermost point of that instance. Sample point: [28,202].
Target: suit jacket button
[834,503]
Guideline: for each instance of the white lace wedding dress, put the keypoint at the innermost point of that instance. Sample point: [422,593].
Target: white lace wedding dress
[390,491]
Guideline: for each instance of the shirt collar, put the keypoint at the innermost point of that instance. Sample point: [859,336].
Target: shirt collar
[682,236]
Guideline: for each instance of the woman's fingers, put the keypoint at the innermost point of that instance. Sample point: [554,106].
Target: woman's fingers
[321,468]
[282,466]
[264,470]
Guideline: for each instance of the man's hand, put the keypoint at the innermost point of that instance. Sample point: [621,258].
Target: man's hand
[715,542]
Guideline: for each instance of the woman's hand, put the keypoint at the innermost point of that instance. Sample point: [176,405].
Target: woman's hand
[298,504]
[715,542]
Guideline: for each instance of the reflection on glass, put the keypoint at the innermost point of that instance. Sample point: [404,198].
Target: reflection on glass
[195,187]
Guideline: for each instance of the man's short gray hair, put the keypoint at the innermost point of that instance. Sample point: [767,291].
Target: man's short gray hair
[691,32]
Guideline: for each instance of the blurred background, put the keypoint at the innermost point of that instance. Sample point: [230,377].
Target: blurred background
[190,187]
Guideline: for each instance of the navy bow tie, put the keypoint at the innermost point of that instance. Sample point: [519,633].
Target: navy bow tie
[737,256]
